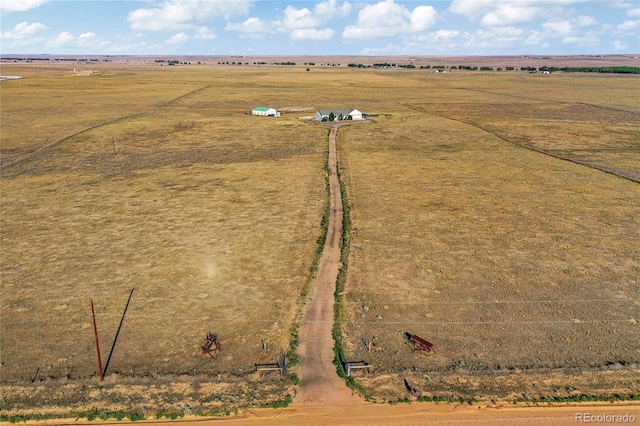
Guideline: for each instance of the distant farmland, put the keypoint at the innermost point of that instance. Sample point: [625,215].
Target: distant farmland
[494,214]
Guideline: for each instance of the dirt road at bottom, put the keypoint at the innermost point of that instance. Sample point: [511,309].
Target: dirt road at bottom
[319,383]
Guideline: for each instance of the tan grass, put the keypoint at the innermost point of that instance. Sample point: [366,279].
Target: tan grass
[202,219]
[507,259]
[212,216]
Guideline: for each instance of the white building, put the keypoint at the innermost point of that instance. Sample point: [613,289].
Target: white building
[340,114]
[269,112]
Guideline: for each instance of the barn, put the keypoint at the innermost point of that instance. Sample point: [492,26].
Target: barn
[269,112]
[340,114]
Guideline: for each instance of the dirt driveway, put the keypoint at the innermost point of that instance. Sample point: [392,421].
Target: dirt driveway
[319,383]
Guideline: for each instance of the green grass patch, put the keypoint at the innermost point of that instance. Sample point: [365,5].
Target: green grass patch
[280,404]
[338,306]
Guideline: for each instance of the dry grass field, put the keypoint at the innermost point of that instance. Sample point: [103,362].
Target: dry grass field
[204,220]
[521,267]
[513,262]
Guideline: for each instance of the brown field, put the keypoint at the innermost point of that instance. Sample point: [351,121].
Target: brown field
[521,267]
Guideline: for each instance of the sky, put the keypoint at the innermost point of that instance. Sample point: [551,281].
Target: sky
[329,27]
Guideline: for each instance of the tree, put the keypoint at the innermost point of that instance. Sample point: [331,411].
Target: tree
[331,116]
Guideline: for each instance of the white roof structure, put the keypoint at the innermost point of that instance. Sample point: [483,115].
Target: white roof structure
[344,112]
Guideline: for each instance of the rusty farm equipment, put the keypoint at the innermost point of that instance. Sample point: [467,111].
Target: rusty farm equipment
[211,346]
[419,344]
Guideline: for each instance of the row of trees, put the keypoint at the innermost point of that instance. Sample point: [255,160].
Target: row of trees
[52,59]
[173,62]
[614,70]
[340,117]
[608,70]
[262,63]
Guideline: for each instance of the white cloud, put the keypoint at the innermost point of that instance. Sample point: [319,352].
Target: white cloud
[204,33]
[24,30]
[501,35]
[443,35]
[575,31]
[303,23]
[469,8]
[535,38]
[389,49]
[20,5]
[423,17]
[628,26]
[330,9]
[311,34]
[618,45]
[251,25]
[321,14]
[588,40]
[558,27]
[625,4]
[436,42]
[634,13]
[86,40]
[178,38]
[585,21]
[180,14]
[508,14]
[299,18]
[387,18]
[63,38]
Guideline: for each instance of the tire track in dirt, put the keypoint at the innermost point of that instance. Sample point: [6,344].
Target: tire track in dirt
[319,382]
[105,123]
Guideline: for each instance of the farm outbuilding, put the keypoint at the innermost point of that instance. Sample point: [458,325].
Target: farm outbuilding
[269,112]
[340,114]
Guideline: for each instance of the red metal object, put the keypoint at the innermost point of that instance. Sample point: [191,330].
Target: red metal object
[211,346]
[95,332]
[419,344]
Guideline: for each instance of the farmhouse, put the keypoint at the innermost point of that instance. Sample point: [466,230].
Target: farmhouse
[269,112]
[340,114]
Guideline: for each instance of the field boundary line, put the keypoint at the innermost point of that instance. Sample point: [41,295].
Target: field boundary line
[530,148]
[551,101]
[369,302]
[105,123]
[294,321]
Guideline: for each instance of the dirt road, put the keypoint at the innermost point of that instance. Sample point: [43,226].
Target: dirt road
[442,415]
[416,414]
[319,383]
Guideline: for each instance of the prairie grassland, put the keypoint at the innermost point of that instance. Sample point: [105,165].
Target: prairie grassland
[591,120]
[56,103]
[212,216]
[521,268]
